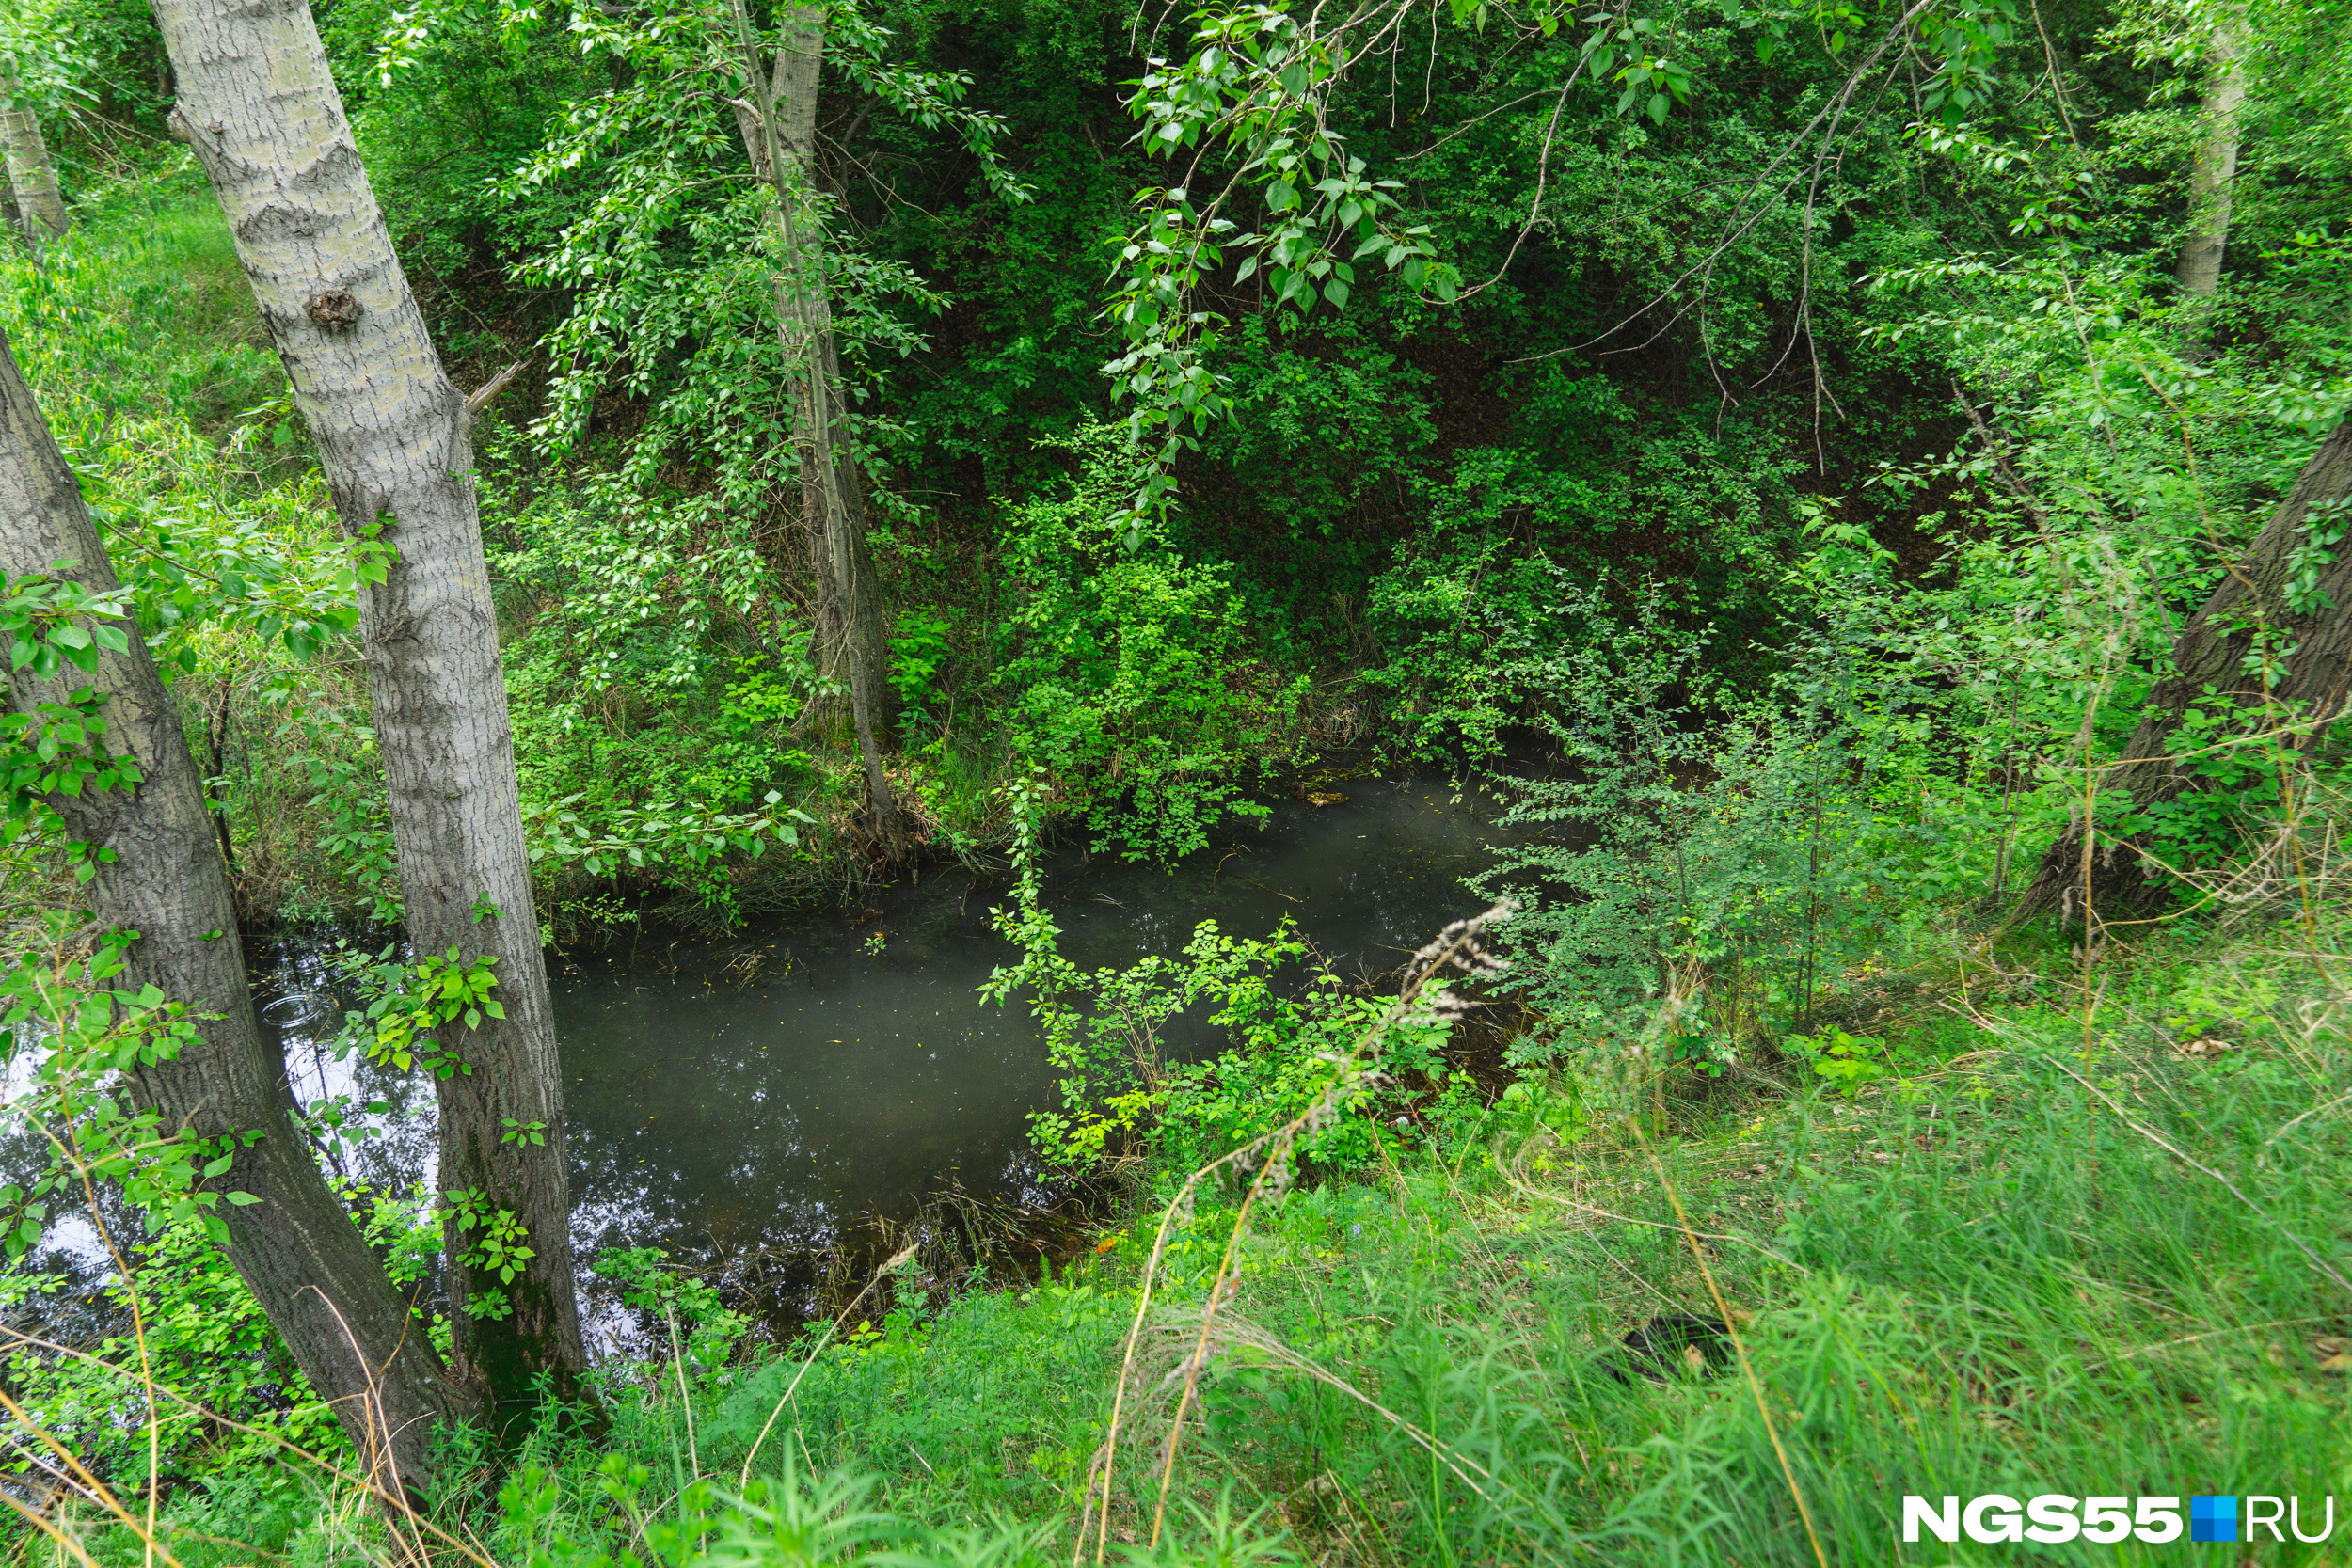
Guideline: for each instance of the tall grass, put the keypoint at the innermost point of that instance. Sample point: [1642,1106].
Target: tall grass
[1997,1271]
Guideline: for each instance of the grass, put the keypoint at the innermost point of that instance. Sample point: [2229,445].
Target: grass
[1984,1273]
[146,310]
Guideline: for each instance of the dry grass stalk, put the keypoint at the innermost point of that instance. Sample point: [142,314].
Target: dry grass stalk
[1456,950]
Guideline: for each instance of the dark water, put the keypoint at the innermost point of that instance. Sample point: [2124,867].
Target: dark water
[765,1091]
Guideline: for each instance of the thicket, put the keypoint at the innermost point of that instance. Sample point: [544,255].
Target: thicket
[1390,516]
[1828,549]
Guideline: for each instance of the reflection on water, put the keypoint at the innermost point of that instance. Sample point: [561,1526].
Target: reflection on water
[765,1090]
[778,1084]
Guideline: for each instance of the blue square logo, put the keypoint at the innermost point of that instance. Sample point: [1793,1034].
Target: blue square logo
[2213,1518]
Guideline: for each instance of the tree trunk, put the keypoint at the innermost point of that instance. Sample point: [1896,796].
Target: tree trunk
[2212,654]
[360,1345]
[257,103]
[778,128]
[2215,168]
[32,178]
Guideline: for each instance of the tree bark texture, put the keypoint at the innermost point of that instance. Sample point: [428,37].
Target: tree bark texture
[779,131]
[2212,651]
[298,1250]
[32,179]
[2214,171]
[257,103]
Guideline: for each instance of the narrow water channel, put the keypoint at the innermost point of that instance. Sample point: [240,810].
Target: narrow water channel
[762,1091]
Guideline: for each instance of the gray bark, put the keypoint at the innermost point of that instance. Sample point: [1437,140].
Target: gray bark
[32,179]
[296,1250]
[262,113]
[778,128]
[2215,170]
[2080,877]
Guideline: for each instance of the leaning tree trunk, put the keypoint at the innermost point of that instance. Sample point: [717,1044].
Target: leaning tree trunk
[2215,170]
[360,1345]
[266,122]
[32,178]
[2085,874]
[779,128]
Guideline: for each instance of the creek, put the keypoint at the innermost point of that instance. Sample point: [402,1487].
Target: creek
[756,1097]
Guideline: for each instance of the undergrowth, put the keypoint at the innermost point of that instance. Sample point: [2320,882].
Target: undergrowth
[2036,1252]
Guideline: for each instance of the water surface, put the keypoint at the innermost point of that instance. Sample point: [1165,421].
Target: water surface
[761,1092]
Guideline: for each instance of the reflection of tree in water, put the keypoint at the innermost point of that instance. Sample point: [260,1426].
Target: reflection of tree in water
[302,999]
[779,1107]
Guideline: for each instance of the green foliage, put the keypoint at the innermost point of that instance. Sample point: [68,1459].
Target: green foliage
[1789,418]
[183,1342]
[1123,1092]
[162,402]
[1477,642]
[689,1304]
[58,748]
[40,617]
[206,1345]
[918,648]
[675,275]
[413,1007]
[1846,1061]
[1674,850]
[494,1245]
[347,782]
[1257,81]
[79,1032]
[1126,669]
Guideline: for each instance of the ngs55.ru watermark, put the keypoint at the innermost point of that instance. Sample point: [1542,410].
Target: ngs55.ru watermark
[2054,1516]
